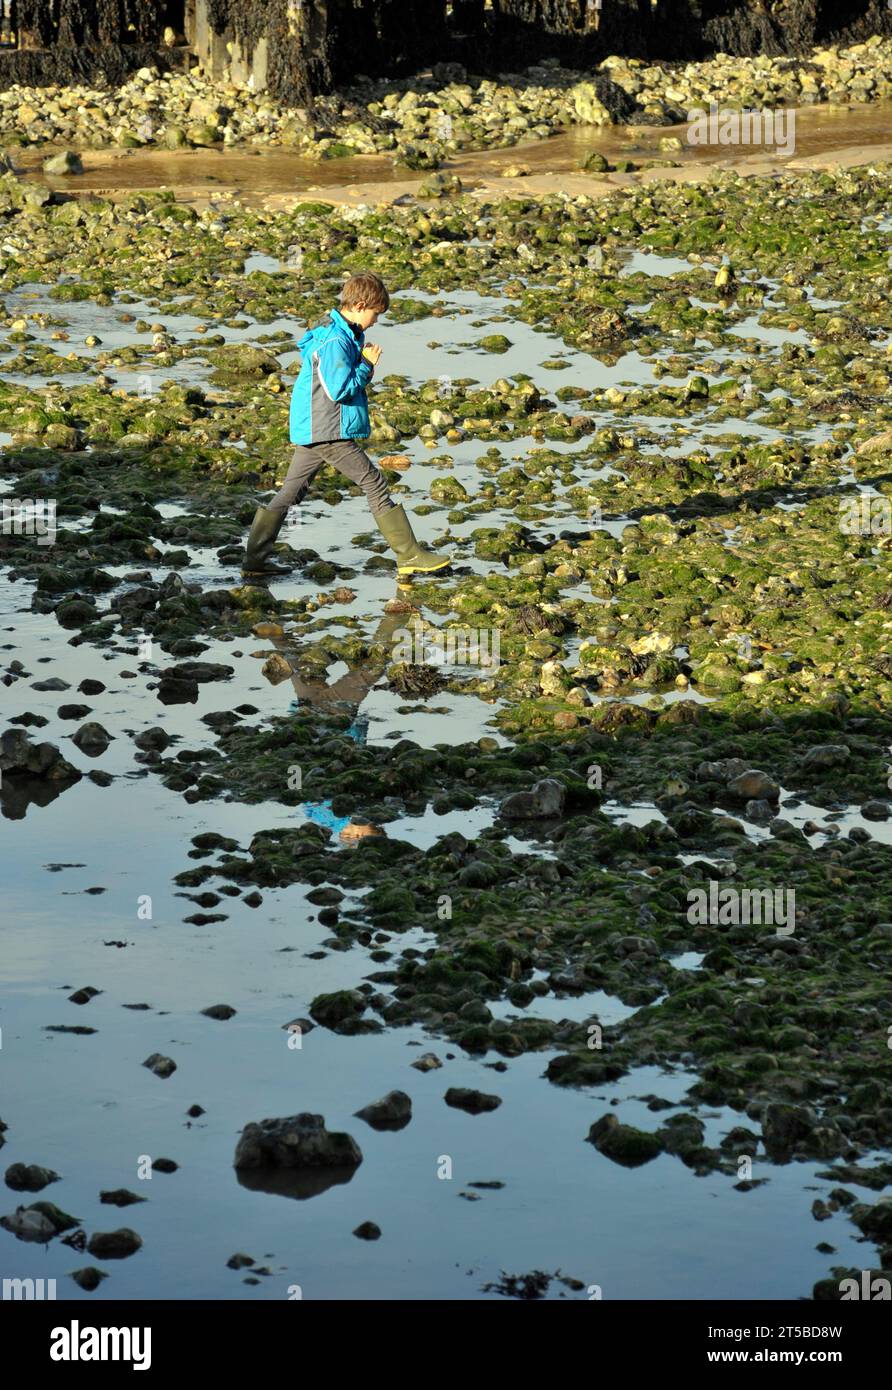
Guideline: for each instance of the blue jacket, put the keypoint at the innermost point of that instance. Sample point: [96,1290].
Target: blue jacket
[329,400]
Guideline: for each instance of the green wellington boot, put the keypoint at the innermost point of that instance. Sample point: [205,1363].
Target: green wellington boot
[411,556]
[264,530]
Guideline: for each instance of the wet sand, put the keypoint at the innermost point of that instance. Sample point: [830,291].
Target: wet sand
[826,137]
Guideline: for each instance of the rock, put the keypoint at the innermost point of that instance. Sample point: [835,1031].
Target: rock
[276,668]
[494,342]
[154,740]
[439,185]
[428,1061]
[624,1144]
[784,1126]
[39,1222]
[120,1197]
[29,1177]
[681,1134]
[219,1011]
[76,612]
[721,770]
[696,388]
[875,810]
[753,785]
[89,1278]
[393,1111]
[877,444]
[20,757]
[202,135]
[239,1261]
[91,739]
[545,801]
[299,1141]
[588,107]
[874,1221]
[368,1231]
[299,1025]
[759,812]
[239,362]
[114,1245]
[66,162]
[161,1066]
[473,1102]
[338,1011]
[83,996]
[824,755]
[199,671]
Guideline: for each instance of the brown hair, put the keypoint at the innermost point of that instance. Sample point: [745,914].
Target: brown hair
[365,291]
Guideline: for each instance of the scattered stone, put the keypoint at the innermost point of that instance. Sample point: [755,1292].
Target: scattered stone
[89,1278]
[114,1245]
[299,1141]
[219,1011]
[29,1177]
[624,1144]
[545,801]
[472,1102]
[65,162]
[91,739]
[428,1061]
[393,1111]
[161,1066]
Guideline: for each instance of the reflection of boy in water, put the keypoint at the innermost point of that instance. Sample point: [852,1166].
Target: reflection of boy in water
[344,696]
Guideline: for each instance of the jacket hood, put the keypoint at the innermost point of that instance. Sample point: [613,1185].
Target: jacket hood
[308,339]
[315,335]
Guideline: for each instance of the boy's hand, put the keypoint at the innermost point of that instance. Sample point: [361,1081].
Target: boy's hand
[371,352]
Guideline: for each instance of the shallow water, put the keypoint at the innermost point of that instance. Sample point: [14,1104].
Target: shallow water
[563,1205]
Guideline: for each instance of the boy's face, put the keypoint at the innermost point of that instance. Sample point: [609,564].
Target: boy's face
[364,317]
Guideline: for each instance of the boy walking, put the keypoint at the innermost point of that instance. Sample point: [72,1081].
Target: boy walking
[329,414]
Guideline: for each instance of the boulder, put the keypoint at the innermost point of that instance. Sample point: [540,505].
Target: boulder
[473,1102]
[393,1111]
[91,739]
[298,1141]
[784,1126]
[754,785]
[20,757]
[544,801]
[65,162]
[114,1245]
[29,1177]
[624,1144]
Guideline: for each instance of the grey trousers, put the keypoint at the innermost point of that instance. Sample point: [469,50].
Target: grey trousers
[343,454]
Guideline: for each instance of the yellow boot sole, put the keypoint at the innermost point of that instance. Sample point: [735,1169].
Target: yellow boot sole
[427,569]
